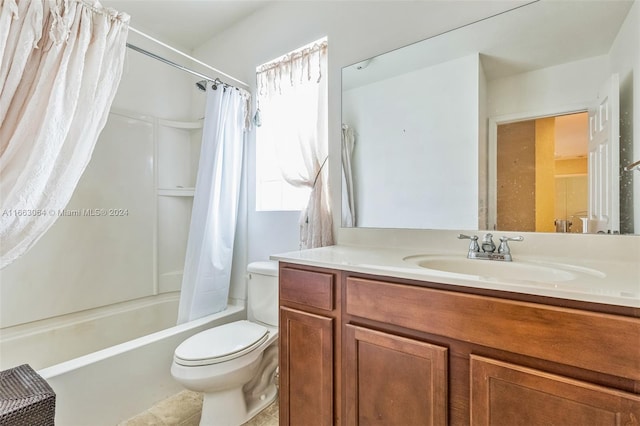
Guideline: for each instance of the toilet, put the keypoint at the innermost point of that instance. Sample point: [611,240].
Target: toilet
[234,365]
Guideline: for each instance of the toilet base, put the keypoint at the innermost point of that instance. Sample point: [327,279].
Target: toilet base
[228,408]
[233,407]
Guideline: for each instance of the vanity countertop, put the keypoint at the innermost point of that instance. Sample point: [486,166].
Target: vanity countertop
[615,283]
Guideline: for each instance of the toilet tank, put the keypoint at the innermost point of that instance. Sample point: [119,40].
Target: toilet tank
[262,292]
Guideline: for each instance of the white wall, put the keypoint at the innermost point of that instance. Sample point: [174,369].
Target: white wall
[624,57]
[553,89]
[87,262]
[409,128]
[355,31]
[151,87]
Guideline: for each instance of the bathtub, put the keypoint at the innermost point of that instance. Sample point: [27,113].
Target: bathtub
[116,383]
[51,341]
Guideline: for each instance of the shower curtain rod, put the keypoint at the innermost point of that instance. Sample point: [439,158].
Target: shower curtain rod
[166,61]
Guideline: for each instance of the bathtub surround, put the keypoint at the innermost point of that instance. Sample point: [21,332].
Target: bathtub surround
[48,342]
[207,269]
[61,65]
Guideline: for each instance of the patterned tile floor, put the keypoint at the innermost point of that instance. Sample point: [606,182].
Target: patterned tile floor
[183,409]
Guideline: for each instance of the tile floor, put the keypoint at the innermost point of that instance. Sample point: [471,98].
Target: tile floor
[183,409]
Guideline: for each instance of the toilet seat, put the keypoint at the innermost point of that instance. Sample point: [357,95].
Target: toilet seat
[220,344]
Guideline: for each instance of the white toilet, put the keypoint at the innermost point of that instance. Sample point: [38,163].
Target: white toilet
[234,365]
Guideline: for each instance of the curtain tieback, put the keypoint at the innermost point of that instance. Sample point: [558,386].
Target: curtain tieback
[319,171]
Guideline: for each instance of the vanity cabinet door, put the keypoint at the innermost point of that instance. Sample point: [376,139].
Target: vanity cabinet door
[509,394]
[306,368]
[393,380]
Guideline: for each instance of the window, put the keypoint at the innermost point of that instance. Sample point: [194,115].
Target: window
[291,137]
[273,192]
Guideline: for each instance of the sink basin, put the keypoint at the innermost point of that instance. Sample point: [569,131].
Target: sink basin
[517,271]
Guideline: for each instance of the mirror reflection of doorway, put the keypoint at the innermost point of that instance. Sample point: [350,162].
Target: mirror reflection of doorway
[542,182]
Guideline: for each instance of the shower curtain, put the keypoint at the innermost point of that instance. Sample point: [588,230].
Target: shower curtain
[348,203]
[60,65]
[207,269]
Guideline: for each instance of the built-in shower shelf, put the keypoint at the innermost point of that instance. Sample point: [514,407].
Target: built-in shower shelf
[176,192]
[172,273]
[177,147]
[181,124]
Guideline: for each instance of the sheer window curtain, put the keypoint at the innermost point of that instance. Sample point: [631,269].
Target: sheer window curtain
[207,269]
[61,62]
[293,108]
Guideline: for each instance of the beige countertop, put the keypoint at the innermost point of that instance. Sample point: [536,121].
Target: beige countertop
[591,280]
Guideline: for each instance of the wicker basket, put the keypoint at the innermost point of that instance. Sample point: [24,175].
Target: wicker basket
[26,399]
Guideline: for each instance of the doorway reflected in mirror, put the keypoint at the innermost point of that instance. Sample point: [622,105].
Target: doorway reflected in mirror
[542,174]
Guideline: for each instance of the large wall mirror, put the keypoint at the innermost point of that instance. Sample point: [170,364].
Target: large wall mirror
[520,122]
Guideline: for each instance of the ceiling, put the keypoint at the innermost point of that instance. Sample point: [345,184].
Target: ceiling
[572,135]
[185,24]
[535,36]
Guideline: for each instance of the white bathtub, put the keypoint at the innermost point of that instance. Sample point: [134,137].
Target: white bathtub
[113,384]
[51,341]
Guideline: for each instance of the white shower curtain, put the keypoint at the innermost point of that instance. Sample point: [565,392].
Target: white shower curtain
[61,62]
[348,202]
[207,269]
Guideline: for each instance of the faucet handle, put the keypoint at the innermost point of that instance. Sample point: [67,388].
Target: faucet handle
[473,244]
[504,244]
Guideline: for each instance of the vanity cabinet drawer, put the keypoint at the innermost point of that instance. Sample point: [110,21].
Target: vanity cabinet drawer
[600,342]
[309,288]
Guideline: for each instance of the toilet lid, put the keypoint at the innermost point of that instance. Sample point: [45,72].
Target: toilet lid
[221,343]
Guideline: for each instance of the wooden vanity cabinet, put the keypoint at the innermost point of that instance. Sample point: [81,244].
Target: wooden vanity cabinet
[510,362]
[309,346]
[408,353]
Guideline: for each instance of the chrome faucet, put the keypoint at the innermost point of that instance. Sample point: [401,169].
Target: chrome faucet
[489,247]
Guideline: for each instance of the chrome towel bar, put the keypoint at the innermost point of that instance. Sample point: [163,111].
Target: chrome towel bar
[632,166]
